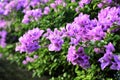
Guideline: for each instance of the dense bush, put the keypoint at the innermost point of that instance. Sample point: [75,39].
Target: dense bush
[62,39]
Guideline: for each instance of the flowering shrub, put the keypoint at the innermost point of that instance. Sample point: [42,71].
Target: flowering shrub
[63,39]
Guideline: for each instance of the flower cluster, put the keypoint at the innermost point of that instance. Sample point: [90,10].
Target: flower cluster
[106,18]
[29,41]
[3,35]
[82,29]
[84,2]
[32,15]
[78,57]
[110,59]
[29,59]
[46,10]
[56,39]
[2,23]
[104,3]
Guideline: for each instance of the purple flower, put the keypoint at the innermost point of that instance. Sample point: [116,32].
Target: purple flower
[58,2]
[106,60]
[25,20]
[56,44]
[106,18]
[72,56]
[29,41]
[34,3]
[96,33]
[2,23]
[56,39]
[24,62]
[6,12]
[64,4]
[106,1]
[77,9]
[46,10]
[37,13]
[98,50]
[35,56]
[75,41]
[32,15]
[3,35]
[21,4]
[1,11]
[83,2]
[53,5]
[100,5]
[84,29]
[11,5]
[110,47]
[116,64]
[29,59]
[78,57]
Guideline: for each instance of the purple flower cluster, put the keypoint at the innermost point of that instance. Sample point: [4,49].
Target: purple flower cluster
[3,35]
[29,41]
[105,2]
[7,6]
[83,2]
[29,59]
[32,15]
[1,8]
[116,63]
[78,57]
[2,23]
[77,30]
[110,59]
[22,4]
[106,18]
[46,10]
[35,14]
[84,29]
[56,39]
